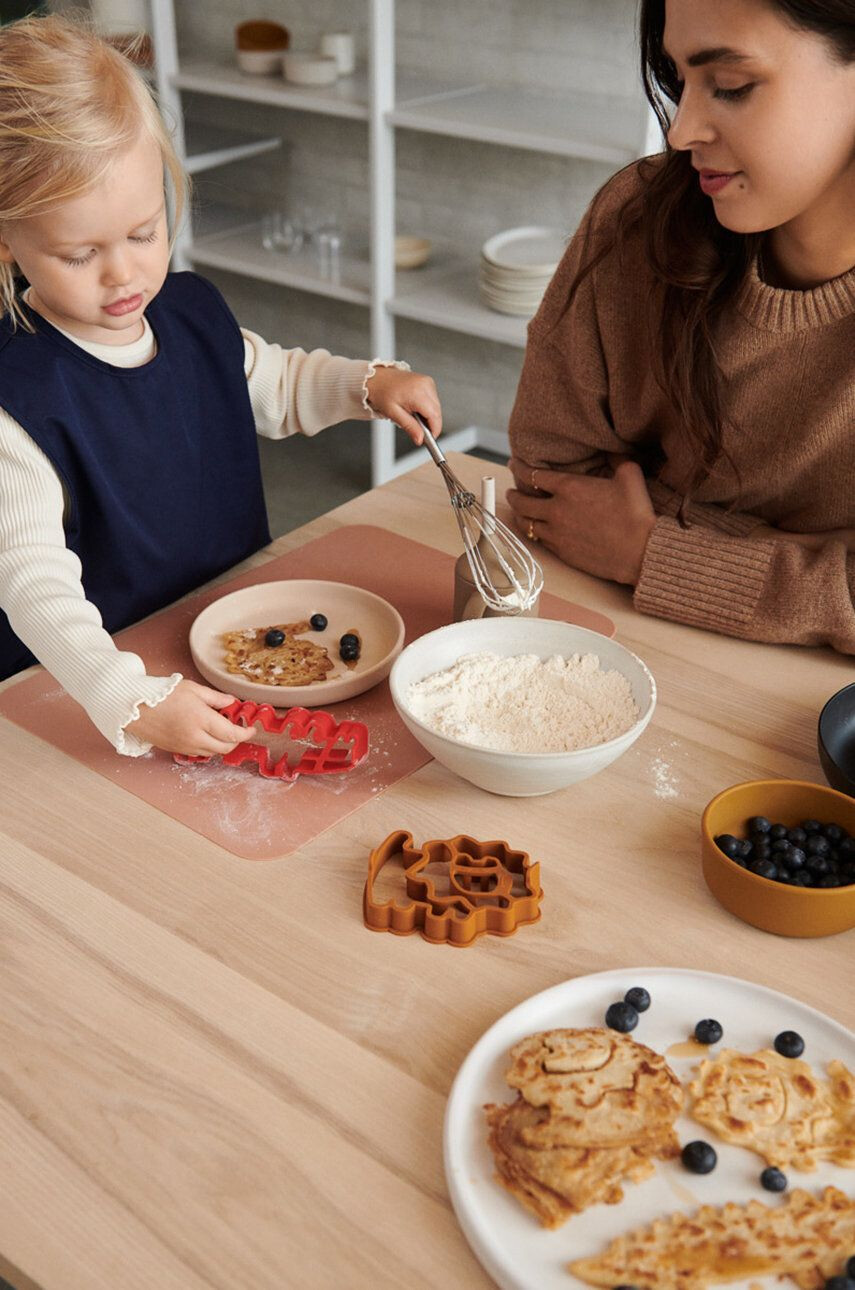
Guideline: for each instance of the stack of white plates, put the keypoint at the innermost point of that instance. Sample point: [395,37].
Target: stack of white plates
[516,267]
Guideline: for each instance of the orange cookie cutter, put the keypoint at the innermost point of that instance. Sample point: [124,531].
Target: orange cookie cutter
[340,745]
[454,890]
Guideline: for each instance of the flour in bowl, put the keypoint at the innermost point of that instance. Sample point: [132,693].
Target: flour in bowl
[524,703]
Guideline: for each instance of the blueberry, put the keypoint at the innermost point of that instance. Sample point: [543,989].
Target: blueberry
[811,826]
[789,1044]
[349,638]
[840,1283]
[784,875]
[834,833]
[759,824]
[621,1016]
[778,831]
[746,847]
[637,998]
[274,638]
[773,1180]
[780,846]
[817,845]
[819,865]
[850,1267]
[802,878]
[798,837]
[699,1157]
[847,849]
[764,869]
[796,858]
[828,880]
[318,622]
[730,845]
[708,1031]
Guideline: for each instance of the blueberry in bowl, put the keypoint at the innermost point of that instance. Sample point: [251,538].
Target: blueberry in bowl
[792,878]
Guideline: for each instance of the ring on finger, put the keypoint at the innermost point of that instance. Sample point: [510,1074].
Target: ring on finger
[530,532]
[534,481]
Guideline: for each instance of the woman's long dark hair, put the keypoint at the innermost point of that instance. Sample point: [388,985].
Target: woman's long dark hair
[698,265]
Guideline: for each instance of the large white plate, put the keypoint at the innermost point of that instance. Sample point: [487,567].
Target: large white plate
[346,608]
[520,1254]
[531,249]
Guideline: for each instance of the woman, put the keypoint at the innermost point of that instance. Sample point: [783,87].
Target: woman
[684,421]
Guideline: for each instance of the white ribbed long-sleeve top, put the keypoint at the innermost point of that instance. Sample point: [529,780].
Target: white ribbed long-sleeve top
[41,591]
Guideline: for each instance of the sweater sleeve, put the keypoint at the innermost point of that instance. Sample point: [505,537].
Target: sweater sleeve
[42,593]
[295,392]
[757,588]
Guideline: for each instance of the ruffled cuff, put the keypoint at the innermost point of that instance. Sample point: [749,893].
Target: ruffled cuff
[372,371]
[155,690]
[704,578]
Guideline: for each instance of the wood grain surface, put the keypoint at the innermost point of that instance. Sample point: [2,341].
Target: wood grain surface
[213,1076]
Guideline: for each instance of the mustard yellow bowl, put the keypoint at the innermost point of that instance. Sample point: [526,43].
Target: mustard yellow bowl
[776,906]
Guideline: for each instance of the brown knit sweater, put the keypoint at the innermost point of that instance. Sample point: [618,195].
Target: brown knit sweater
[587,389]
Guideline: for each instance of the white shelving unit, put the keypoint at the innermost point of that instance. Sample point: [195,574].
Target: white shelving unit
[598,128]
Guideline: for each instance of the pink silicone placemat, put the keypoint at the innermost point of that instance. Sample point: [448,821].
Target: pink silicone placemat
[256,818]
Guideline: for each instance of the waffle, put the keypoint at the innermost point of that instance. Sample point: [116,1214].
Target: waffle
[807,1238]
[295,662]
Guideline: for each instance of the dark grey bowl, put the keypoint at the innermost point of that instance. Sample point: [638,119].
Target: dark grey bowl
[836,740]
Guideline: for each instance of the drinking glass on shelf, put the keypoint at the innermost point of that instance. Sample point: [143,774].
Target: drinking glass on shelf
[328,240]
[279,233]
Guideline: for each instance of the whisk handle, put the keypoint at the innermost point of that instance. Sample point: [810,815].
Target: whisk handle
[429,441]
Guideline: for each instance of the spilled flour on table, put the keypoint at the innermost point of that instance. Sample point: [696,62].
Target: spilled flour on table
[665,784]
[241,803]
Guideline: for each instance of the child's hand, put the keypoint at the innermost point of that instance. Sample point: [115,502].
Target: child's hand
[396,395]
[188,722]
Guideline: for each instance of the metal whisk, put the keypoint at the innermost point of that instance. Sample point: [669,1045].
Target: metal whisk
[478,527]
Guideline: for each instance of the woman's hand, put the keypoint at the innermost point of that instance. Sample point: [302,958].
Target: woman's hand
[396,395]
[598,525]
[188,722]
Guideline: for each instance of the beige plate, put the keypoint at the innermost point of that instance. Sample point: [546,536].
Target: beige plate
[378,624]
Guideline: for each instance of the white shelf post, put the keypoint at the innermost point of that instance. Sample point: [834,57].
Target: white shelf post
[165,45]
[381,166]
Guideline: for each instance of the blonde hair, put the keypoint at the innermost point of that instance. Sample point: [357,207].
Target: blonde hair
[70,103]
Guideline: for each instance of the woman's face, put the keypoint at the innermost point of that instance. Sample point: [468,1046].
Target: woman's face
[767,112]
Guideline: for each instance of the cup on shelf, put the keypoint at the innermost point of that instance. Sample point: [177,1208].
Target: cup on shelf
[309,69]
[340,46]
[328,240]
[279,233]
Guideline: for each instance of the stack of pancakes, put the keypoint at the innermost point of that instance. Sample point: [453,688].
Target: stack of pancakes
[593,1108]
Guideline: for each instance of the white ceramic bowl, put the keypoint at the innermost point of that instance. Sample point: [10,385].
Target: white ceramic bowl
[518,774]
[411,252]
[260,62]
[309,69]
[346,608]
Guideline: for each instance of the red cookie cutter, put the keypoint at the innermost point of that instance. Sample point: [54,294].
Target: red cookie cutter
[340,745]
[454,890]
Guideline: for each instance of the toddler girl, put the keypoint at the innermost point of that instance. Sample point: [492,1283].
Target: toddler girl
[130,399]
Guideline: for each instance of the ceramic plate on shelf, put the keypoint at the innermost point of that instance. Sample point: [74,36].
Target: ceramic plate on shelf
[347,609]
[510,1243]
[528,250]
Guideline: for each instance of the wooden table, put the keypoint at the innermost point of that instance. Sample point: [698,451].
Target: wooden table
[214,1076]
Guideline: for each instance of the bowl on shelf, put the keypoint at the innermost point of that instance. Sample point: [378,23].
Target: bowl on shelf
[517,774]
[766,903]
[411,252]
[309,69]
[266,604]
[835,738]
[260,45]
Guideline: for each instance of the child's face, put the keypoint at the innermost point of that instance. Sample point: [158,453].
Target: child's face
[96,262]
[767,104]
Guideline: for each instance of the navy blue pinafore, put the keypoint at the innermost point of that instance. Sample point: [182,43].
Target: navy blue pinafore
[160,462]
